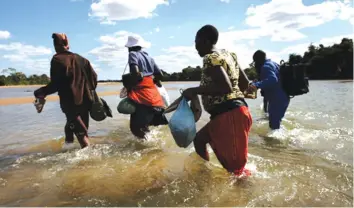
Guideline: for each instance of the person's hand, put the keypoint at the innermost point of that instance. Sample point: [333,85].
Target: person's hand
[39,93]
[252,87]
[189,93]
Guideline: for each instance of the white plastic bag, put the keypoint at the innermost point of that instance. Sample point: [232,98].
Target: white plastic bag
[123,93]
[164,95]
[182,125]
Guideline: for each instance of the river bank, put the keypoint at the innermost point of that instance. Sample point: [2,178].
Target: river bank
[99,83]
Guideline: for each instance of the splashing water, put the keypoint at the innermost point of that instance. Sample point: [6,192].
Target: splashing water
[308,162]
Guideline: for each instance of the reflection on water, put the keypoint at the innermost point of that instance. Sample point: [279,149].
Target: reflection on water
[307,163]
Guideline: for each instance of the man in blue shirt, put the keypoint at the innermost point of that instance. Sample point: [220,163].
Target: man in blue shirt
[271,85]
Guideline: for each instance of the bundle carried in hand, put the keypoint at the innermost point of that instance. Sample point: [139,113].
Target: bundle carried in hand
[182,123]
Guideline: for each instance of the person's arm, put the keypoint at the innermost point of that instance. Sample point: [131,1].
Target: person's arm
[270,78]
[221,83]
[133,63]
[157,70]
[53,85]
[158,75]
[200,143]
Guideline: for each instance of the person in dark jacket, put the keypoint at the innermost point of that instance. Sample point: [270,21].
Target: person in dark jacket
[273,92]
[69,81]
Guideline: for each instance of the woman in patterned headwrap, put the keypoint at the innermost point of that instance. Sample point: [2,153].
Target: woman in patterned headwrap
[68,80]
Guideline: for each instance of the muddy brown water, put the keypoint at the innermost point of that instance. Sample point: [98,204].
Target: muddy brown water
[307,163]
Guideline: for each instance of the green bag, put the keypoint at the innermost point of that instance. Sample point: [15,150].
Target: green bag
[126,106]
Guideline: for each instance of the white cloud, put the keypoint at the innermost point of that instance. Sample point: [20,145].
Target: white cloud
[96,67]
[171,37]
[113,52]
[302,47]
[239,35]
[4,34]
[35,59]
[226,1]
[174,59]
[178,57]
[25,50]
[335,39]
[110,11]
[282,19]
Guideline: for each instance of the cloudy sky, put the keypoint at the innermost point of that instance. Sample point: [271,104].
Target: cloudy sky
[98,29]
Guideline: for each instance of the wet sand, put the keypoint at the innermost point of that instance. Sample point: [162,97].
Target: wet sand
[100,83]
[30,99]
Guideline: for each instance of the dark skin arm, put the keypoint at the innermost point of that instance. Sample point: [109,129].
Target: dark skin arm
[52,86]
[157,78]
[221,84]
[134,69]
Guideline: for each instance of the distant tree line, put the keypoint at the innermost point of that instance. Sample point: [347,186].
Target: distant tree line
[14,77]
[332,62]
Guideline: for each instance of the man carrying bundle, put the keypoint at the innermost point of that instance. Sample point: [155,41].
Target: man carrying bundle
[67,78]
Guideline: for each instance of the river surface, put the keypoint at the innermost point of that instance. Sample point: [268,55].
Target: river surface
[309,162]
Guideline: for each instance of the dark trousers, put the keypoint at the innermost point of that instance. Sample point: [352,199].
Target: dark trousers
[276,113]
[144,117]
[77,122]
[265,105]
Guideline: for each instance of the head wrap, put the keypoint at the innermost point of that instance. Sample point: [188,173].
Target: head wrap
[60,41]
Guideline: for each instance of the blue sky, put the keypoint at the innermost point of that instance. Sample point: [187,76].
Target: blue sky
[98,29]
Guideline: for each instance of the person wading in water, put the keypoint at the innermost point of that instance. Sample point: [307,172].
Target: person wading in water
[227,131]
[278,100]
[142,91]
[67,78]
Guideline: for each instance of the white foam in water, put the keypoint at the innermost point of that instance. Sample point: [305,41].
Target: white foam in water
[154,137]
[68,146]
[280,134]
[252,166]
[58,137]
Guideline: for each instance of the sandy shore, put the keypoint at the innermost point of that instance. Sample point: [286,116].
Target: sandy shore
[24,100]
[21,86]
[101,83]
[30,99]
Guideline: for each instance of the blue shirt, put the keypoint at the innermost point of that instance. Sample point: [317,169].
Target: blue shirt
[145,63]
[270,81]
[269,76]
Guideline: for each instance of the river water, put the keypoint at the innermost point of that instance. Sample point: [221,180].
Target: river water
[309,162]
